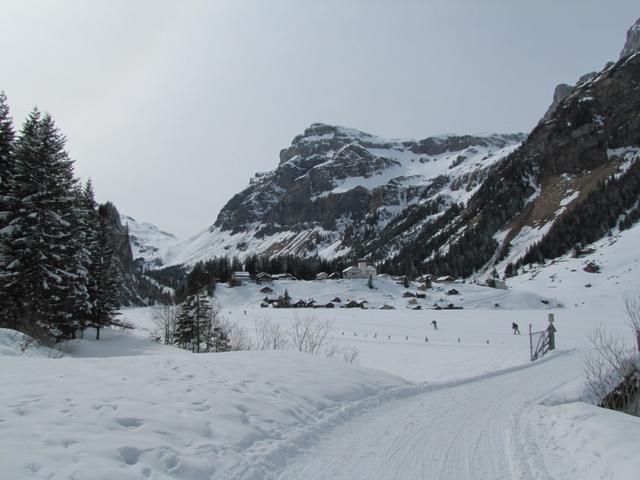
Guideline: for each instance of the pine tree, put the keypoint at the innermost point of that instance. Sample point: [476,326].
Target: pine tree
[195,324]
[219,340]
[83,229]
[8,315]
[184,325]
[91,226]
[105,278]
[39,249]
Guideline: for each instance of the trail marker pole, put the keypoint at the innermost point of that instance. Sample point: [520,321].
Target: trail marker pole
[530,343]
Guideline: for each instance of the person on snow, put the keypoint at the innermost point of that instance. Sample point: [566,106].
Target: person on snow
[516,330]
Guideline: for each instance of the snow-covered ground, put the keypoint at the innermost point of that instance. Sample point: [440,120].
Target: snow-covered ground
[465,404]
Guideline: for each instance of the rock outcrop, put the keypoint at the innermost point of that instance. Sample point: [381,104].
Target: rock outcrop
[335,189]
[632,45]
[135,287]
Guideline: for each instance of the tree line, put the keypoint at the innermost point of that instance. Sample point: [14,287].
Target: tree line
[58,272]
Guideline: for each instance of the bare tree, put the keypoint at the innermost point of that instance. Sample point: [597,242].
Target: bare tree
[632,306]
[238,337]
[348,355]
[610,372]
[309,334]
[165,319]
[269,335]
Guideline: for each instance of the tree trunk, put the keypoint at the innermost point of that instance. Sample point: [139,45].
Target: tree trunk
[97,333]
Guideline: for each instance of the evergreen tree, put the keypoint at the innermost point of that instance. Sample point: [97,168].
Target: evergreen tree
[7,173]
[219,340]
[195,326]
[84,236]
[105,278]
[39,249]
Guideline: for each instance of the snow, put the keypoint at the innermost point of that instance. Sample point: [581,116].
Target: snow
[146,239]
[125,408]
[169,415]
[595,434]
[568,199]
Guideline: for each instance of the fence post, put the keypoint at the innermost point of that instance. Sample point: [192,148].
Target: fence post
[551,331]
[530,343]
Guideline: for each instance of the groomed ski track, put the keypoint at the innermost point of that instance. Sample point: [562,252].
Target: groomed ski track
[477,429]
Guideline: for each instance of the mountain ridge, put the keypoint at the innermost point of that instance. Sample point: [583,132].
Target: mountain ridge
[450,204]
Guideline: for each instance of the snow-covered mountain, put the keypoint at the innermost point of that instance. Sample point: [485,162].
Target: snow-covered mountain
[147,240]
[334,188]
[458,205]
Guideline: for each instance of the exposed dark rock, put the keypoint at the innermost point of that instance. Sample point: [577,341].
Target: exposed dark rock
[632,45]
[135,288]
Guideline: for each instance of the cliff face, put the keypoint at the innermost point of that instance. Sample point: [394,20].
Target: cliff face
[632,45]
[335,189]
[135,287]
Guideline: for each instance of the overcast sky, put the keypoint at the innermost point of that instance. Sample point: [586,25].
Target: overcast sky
[171,106]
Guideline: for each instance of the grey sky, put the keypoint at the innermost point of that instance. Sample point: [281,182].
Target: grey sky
[171,106]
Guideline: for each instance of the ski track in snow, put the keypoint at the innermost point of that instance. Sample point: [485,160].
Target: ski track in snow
[479,428]
[451,433]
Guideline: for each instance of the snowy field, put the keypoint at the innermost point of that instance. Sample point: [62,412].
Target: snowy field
[465,404]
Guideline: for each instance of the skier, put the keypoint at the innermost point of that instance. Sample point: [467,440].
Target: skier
[435,324]
[516,330]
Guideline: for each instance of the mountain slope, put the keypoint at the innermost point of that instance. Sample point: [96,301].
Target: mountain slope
[459,205]
[558,172]
[336,188]
[147,240]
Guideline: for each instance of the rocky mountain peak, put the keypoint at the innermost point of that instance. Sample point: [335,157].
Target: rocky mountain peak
[632,44]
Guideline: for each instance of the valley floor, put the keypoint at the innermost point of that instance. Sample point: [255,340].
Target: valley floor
[466,404]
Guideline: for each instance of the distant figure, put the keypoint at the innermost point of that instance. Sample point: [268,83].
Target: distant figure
[459,340]
[426,339]
[516,330]
[435,325]
[245,312]
[407,337]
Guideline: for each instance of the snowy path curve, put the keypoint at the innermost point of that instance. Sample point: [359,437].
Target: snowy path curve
[475,430]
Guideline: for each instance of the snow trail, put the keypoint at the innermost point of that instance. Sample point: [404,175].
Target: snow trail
[474,430]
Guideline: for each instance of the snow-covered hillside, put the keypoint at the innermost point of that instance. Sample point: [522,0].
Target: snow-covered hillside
[147,240]
[333,181]
[472,404]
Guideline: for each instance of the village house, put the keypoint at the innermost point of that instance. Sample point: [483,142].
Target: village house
[362,270]
[496,283]
[322,276]
[283,276]
[238,278]
[263,277]
[445,279]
